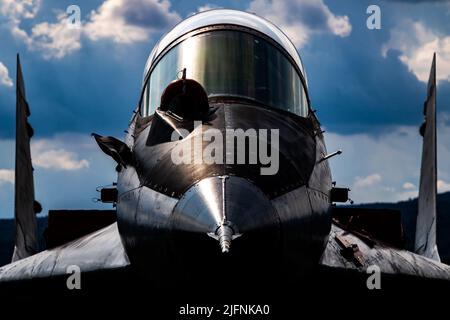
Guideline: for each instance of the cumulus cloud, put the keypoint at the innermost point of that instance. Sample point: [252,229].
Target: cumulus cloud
[47,155]
[409,191]
[409,186]
[117,20]
[417,43]
[4,76]
[367,181]
[443,186]
[55,40]
[137,20]
[52,39]
[387,166]
[6,176]
[56,187]
[16,11]
[407,194]
[302,18]
[207,7]
[129,21]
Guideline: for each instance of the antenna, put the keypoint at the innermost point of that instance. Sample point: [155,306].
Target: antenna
[328,156]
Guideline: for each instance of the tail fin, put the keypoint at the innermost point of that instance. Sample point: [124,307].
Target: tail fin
[426,217]
[26,207]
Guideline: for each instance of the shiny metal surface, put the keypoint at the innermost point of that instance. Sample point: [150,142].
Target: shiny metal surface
[139,207]
[100,250]
[306,223]
[297,151]
[425,242]
[225,16]
[142,210]
[165,211]
[154,209]
[210,203]
[26,239]
[225,234]
[224,201]
[320,178]
[389,260]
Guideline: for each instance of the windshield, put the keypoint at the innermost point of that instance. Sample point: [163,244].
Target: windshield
[230,63]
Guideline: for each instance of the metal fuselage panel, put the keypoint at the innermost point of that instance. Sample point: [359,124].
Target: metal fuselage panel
[166,210]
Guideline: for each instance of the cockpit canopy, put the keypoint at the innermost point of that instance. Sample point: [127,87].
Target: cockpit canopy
[229,61]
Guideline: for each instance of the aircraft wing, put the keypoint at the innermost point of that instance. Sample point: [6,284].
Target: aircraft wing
[347,251]
[100,250]
[350,250]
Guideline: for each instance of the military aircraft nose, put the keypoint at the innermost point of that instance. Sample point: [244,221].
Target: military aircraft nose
[225,208]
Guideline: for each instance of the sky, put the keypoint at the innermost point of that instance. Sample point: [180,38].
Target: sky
[367,85]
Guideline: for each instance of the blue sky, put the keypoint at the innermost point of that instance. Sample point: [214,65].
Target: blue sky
[367,85]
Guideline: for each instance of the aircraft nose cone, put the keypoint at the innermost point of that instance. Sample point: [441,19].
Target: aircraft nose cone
[225,208]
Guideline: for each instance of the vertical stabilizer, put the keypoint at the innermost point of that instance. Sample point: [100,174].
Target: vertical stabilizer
[425,243]
[25,206]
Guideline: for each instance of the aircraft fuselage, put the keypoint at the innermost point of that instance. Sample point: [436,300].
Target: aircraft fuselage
[166,211]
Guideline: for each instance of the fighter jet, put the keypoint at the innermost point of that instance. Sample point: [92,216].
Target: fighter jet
[224,175]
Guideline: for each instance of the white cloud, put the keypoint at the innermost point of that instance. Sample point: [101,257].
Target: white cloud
[6,176]
[417,43]
[118,20]
[15,11]
[47,155]
[127,21]
[207,7]
[394,155]
[409,186]
[55,40]
[61,189]
[302,18]
[367,181]
[4,76]
[443,186]
[409,191]
[406,195]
